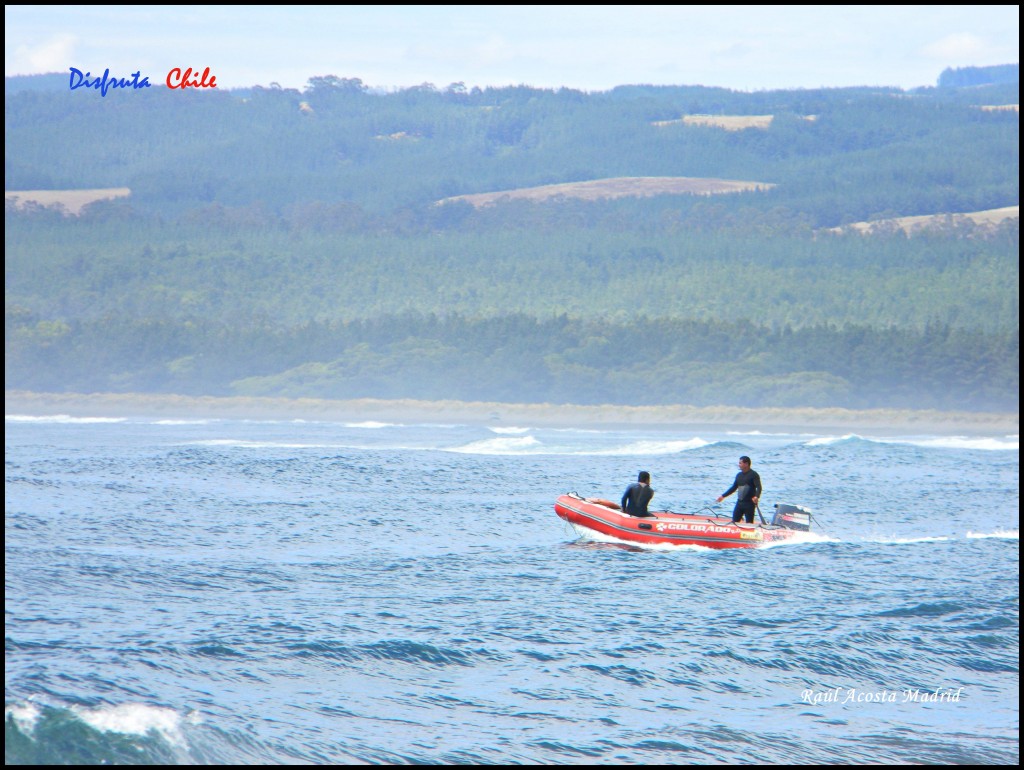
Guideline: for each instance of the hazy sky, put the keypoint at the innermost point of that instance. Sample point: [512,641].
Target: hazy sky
[587,47]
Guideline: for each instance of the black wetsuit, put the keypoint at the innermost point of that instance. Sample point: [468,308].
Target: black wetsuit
[746,486]
[635,499]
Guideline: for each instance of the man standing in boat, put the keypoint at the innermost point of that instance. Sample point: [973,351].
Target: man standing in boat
[638,495]
[747,487]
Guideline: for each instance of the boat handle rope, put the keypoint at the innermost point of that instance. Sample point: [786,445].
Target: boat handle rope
[811,517]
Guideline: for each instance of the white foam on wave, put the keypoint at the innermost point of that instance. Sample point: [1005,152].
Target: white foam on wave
[673,547]
[987,443]
[184,422]
[127,718]
[509,431]
[650,448]
[136,719]
[61,419]
[593,536]
[501,446]
[907,540]
[531,445]
[1005,534]
[25,716]
[763,433]
[376,425]
[826,440]
[962,442]
[800,538]
[244,444]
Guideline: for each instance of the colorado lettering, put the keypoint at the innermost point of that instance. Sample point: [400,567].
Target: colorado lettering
[103,84]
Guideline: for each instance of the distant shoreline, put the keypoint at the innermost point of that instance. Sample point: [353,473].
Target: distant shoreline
[876,421]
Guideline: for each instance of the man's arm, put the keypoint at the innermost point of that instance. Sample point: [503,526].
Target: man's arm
[730,490]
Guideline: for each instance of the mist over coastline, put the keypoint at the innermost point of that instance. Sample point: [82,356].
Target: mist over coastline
[879,421]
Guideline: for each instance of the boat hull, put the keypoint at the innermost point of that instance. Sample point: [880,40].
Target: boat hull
[588,516]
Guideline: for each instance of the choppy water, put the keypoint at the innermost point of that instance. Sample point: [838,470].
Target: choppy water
[264,592]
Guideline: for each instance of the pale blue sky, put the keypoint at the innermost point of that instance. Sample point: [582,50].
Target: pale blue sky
[587,47]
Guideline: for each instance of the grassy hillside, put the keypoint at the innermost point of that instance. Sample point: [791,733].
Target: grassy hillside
[71,201]
[983,219]
[609,189]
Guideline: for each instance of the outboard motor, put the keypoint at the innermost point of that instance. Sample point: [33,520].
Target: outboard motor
[792,517]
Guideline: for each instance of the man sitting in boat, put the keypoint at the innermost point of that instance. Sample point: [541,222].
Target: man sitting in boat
[638,495]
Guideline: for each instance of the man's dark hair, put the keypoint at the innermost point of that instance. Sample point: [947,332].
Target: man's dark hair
[644,477]
[745,459]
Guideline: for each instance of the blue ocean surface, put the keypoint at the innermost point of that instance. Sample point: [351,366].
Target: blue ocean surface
[230,591]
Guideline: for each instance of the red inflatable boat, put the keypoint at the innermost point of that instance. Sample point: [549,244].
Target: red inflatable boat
[590,515]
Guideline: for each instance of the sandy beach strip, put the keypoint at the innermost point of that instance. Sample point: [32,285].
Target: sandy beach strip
[875,421]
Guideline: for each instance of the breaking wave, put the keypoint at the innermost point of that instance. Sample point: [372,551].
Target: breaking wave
[130,733]
[653,447]
[999,533]
[531,445]
[502,446]
[64,419]
[991,443]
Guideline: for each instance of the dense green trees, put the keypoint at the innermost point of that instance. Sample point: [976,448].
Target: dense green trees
[287,242]
[612,260]
[837,155]
[962,77]
[523,358]
[226,301]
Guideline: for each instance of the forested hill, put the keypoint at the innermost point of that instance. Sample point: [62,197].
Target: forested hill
[835,155]
[286,242]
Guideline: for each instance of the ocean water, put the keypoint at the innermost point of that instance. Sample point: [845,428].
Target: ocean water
[228,591]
